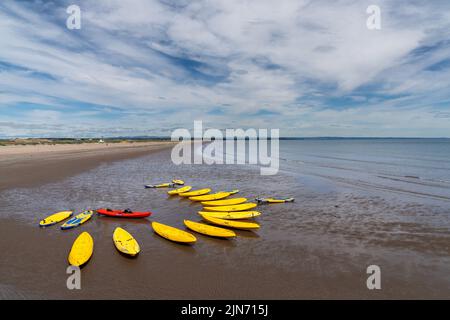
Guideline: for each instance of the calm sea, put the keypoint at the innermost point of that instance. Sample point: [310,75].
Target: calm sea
[408,167]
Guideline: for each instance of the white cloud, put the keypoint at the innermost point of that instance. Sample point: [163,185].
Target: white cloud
[178,62]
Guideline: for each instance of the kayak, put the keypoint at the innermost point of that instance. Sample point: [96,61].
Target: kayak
[179,190]
[237,207]
[123,213]
[214,196]
[231,192]
[82,250]
[274,200]
[231,215]
[165,185]
[226,202]
[232,223]
[125,242]
[161,185]
[78,220]
[172,233]
[55,218]
[195,193]
[209,230]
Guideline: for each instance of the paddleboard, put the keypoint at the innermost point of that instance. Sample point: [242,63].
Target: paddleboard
[161,185]
[274,200]
[78,220]
[82,250]
[55,218]
[125,242]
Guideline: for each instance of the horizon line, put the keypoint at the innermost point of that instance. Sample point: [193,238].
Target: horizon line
[224,138]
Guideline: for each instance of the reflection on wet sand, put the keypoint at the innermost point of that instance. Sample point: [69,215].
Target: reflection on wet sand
[182,247]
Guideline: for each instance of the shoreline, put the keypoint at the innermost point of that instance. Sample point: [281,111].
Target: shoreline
[33,165]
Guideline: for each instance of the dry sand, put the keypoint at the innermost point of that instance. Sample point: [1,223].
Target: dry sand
[30,165]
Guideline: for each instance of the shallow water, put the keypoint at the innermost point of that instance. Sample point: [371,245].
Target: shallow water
[356,204]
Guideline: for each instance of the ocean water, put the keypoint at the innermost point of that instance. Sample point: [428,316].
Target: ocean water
[409,168]
[358,202]
[418,168]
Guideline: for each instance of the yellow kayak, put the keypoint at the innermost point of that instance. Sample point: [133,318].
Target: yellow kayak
[209,230]
[231,215]
[232,223]
[274,200]
[82,249]
[78,220]
[226,202]
[179,182]
[55,218]
[195,193]
[125,242]
[237,207]
[179,190]
[172,233]
[214,196]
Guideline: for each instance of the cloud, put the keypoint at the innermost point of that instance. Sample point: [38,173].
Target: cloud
[311,68]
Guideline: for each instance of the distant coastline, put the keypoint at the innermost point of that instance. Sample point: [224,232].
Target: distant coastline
[55,141]
[23,165]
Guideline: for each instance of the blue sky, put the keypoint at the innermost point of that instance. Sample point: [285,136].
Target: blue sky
[144,67]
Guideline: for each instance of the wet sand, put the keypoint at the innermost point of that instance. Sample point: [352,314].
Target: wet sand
[315,248]
[31,165]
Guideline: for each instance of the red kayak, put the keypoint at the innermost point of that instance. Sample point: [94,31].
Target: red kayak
[123,213]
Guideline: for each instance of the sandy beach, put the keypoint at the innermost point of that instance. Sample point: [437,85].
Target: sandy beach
[28,165]
[315,248]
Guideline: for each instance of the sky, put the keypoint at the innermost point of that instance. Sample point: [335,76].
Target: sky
[147,67]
